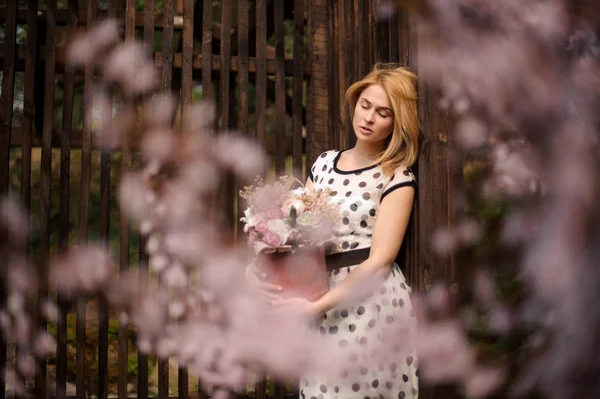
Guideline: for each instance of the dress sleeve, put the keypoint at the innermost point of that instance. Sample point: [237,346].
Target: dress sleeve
[402,177]
[317,165]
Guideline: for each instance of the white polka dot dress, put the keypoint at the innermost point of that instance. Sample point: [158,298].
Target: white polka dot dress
[359,193]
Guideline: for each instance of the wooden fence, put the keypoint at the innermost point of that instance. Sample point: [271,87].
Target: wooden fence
[277,69]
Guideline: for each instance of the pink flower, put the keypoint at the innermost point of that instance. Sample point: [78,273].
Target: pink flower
[261,227]
[271,239]
[274,213]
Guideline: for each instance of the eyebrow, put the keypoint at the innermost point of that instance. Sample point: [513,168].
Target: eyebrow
[380,108]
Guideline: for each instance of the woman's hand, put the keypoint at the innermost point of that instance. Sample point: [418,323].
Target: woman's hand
[256,278]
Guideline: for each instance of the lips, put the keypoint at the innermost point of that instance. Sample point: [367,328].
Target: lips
[365,130]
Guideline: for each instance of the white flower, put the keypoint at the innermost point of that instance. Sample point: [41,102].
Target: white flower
[286,208]
[308,220]
[250,219]
[279,227]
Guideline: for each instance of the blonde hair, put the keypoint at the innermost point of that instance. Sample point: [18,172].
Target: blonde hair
[402,147]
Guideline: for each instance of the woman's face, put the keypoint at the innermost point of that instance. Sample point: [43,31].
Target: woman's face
[373,116]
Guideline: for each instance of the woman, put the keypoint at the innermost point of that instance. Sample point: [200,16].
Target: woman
[375,188]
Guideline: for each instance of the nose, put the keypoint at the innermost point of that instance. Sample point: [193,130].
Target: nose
[370,116]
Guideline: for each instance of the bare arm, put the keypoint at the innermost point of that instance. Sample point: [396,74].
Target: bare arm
[388,234]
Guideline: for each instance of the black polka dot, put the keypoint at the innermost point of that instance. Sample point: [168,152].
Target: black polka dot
[363,224]
[354,245]
[389,319]
[393,175]
[362,341]
[382,290]
[372,212]
[344,313]
[322,330]
[333,330]
[366,196]
[409,360]
[349,193]
[352,327]
[302,394]
[346,182]
[344,373]
[333,193]
[389,385]
[375,383]
[330,181]
[378,308]
[336,389]
[360,310]
[324,168]
[380,185]
[355,387]
[394,302]
[353,207]
[343,343]
[406,172]
[400,302]
[372,323]
[362,184]
[345,245]
[376,175]
[306,383]
[404,378]
[323,388]
[323,155]
[393,367]
[330,170]
[346,221]
[364,370]
[401,395]
[316,178]
[403,286]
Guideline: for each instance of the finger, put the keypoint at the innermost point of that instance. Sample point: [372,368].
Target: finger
[259,273]
[269,297]
[268,287]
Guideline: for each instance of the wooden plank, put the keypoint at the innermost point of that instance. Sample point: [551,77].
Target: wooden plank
[198,62]
[64,206]
[298,87]
[28,106]
[123,331]
[226,8]
[46,181]
[166,81]
[187,55]
[261,71]
[227,192]
[142,358]
[6,99]
[27,132]
[105,172]
[6,109]
[84,199]
[394,45]
[62,14]
[342,61]
[242,83]
[260,103]
[280,130]
[319,133]
[206,57]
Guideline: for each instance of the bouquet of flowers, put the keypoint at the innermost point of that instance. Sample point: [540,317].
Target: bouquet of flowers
[285,223]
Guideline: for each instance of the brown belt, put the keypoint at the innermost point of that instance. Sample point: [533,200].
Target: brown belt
[347,258]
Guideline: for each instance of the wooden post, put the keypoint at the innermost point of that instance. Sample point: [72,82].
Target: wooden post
[318,135]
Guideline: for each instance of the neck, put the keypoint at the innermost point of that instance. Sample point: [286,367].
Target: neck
[366,152]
